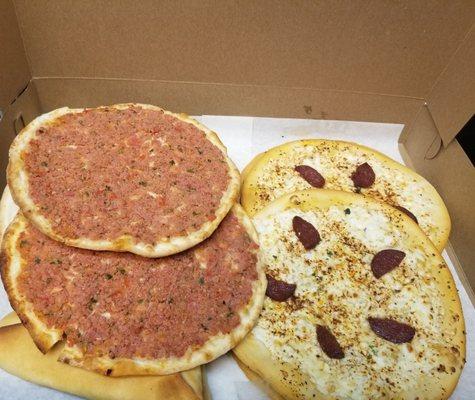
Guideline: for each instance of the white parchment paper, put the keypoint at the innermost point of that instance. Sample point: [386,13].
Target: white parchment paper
[245,137]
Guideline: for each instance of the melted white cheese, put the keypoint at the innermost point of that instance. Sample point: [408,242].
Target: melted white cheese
[278,177]
[337,289]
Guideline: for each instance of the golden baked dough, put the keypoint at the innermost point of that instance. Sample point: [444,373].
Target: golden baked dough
[10,319]
[19,356]
[271,175]
[337,287]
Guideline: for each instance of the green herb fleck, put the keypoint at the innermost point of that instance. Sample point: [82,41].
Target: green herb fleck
[195,213]
[108,276]
[329,253]
[201,280]
[44,164]
[205,328]
[48,280]
[140,301]
[190,170]
[347,211]
[170,300]
[122,271]
[37,260]
[108,188]
[55,261]
[209,160]
[23,243]
[373,349]
[171,162]
[199,150]
[229,314]
[142,183]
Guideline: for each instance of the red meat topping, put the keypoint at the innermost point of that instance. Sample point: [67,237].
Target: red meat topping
[123,305]
[104,173]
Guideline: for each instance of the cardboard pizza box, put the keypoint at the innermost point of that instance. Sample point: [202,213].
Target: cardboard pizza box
[408,62]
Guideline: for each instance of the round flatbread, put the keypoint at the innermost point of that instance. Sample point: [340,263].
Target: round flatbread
[350,167]
[122,314]
[128,177]
[359,303]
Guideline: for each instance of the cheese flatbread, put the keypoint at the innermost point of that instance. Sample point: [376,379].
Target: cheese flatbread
[338,165]
[359,303]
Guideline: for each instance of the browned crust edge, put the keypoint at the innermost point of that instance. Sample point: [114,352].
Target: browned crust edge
[20,357]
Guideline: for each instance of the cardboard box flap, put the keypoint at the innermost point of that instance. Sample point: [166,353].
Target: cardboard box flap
[453,175]
[14,71]
[394,48]
[452,99]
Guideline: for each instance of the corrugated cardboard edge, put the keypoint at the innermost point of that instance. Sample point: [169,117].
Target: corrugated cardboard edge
[452,174]
[198,98]
[24,109]
[452,99]
[14,69]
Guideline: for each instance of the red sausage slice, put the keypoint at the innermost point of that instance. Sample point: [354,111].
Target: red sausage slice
[328,343]
[408,213]
[306,233]
[385,261]
[391,330]
[311,175]
[363,176]
[279,290]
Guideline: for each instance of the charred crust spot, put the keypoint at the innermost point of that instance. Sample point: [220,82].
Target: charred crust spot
[109,372]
